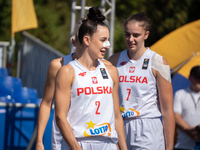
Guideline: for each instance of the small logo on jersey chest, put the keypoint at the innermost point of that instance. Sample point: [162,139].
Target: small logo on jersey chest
[103,73]
[131,69]
[82,74]
[145,64]
[123,63]
[94,80]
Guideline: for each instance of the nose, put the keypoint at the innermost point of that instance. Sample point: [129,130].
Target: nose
[106,44]
[131,38]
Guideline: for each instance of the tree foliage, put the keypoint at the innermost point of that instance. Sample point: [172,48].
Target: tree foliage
[54,19]
[166,15]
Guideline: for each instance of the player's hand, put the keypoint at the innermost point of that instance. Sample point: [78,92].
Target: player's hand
[39,146]
[117,147]
[193,133]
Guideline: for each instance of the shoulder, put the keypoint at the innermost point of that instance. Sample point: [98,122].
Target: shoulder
[66,69]
[160,59]
[165,62]
[160,66]
[65,73]
[114,58]
[56,63]
[112,71]
[181,92]
[110,67]
[181,96]
[54,66]
[106,62]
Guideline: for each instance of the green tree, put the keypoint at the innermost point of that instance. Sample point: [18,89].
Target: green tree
[166,15]
[54,19]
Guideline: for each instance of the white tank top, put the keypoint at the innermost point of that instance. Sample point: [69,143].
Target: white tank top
[137,87]
[56,137]
[91,111]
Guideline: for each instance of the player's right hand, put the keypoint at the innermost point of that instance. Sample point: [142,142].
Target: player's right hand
[39,146]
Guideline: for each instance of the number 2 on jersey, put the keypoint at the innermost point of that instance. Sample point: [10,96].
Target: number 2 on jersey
[129,92]
[97,103]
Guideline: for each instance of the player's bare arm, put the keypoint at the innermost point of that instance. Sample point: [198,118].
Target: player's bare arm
[62,102]
[46,104]
[119,125]
[166,103]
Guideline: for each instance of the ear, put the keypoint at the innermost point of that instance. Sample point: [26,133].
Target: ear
[146,35]
[74,42]
[190,78]
[86,40]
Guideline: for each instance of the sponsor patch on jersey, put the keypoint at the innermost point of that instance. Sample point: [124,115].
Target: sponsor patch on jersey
[82,74]
[94,80]
[131,69]
[145,64]
[93,129]
[123,63]
[103,73]
[130,113]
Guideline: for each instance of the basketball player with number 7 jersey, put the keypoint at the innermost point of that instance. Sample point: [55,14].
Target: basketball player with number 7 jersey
[145,90]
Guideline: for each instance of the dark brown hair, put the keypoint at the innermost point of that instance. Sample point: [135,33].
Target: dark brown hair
[140,18]
[89,24]
[195,72]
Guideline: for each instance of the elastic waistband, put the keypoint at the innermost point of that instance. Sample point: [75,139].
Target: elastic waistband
[95,139]
[127,119]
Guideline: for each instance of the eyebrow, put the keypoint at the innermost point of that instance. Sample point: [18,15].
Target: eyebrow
[132,33]
[104,38]
[126,32]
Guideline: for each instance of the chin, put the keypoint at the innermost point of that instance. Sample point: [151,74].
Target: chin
[100,57]
[132,48]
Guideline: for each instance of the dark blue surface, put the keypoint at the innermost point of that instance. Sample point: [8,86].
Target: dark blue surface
[25,95]
[3,72]
[8,85]
[179,82]
[17,126]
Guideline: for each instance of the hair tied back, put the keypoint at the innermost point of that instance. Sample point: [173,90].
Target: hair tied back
[95,14]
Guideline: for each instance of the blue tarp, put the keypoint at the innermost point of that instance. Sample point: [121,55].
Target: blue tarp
[17,124]
[179,82]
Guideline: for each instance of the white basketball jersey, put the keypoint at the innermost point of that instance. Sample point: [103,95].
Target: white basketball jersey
[137,87]
[56,135]
[91,111]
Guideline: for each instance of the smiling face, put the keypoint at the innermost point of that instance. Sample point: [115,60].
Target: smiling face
[96,48]
[135,35]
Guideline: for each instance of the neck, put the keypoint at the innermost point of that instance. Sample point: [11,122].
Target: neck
[135,55]
[194,89]
[76,55]
[88,62]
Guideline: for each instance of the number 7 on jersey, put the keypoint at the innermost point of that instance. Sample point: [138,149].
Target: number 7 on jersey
[129,92]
